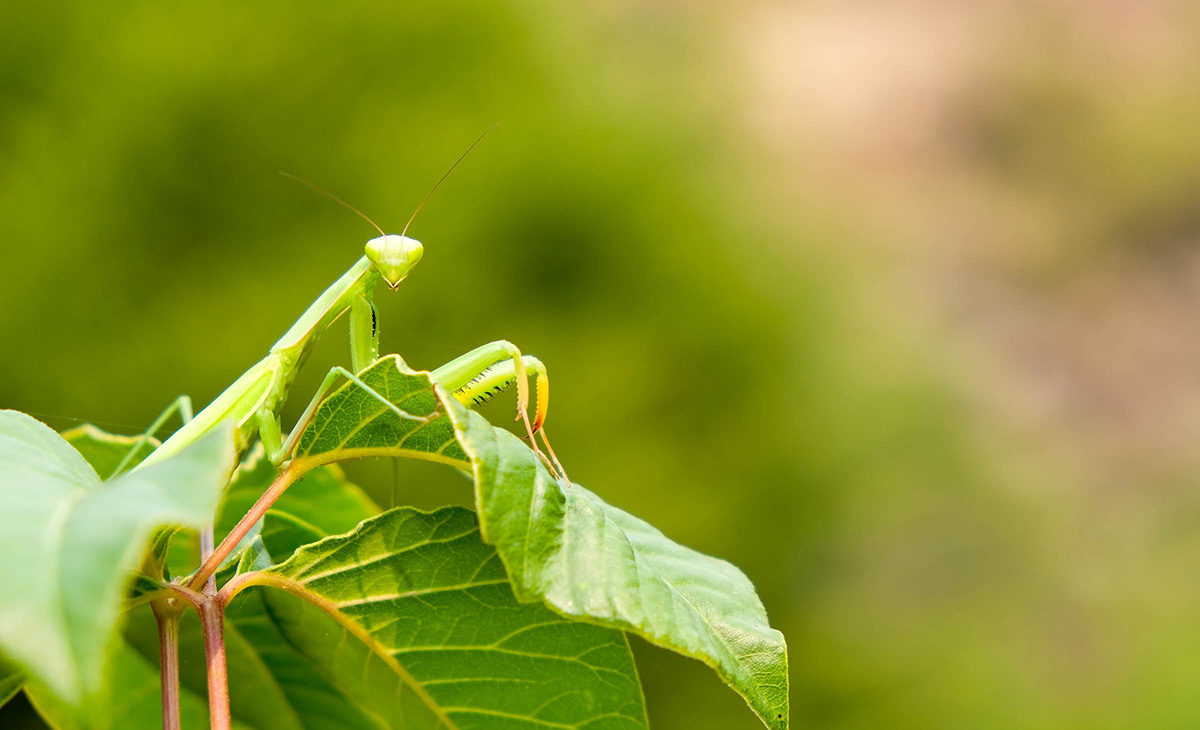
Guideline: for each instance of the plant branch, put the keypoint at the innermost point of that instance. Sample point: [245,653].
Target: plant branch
[277,488]
[201,591]
[167,617]
[212,619]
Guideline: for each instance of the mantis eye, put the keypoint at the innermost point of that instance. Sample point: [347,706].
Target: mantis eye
[393,256]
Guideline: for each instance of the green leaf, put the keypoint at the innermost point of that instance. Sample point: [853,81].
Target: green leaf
[11,680]
[561,543]
[351,423]
[285,533]
[255,557]
[79,541]
[426,632]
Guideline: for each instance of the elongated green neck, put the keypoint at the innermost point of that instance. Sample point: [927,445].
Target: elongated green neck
[333,303]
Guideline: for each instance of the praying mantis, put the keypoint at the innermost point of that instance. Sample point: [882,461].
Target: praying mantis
[253,402]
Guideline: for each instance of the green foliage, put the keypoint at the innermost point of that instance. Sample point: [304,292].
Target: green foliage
[515,618]
[70,543]
[427,596]
[562,544]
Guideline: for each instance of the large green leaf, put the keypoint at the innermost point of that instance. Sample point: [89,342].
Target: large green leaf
[79,541]
[412,617]
[561,543]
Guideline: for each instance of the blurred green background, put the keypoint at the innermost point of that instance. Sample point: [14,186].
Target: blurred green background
[892,305]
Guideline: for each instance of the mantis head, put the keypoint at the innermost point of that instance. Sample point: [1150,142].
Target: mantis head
[394,256]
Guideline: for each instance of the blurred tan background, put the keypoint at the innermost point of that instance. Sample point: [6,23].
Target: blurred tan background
[892,304]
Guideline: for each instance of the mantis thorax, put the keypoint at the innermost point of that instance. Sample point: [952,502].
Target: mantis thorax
[393,256]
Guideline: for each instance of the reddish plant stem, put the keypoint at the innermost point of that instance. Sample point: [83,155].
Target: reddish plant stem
[213,561]
[201,591]
[212,619]
[168,656]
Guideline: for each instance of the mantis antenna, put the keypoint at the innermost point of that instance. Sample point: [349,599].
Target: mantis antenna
[439,182]
[333,197]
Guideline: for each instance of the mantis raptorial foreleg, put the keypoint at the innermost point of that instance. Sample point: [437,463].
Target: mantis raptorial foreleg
[460,372]
[481,374]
